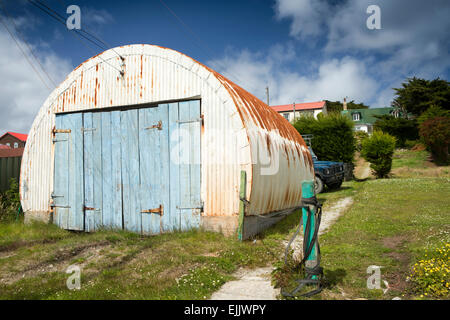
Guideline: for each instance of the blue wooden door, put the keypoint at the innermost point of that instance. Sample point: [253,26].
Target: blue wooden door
[102,171]
[185,176]
[136,169]
[154,194]
[68,190]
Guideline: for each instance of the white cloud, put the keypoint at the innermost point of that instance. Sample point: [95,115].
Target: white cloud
[93,20]
[308,17]
[333,79]
[356,62]
[413,38]
[22,93]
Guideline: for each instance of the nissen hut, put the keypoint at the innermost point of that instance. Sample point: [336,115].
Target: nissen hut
[146,139]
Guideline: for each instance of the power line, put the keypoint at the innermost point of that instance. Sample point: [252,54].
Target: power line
[90,33]
[84,30]
[61,20]
[24,41]
[23,52]
[200,41]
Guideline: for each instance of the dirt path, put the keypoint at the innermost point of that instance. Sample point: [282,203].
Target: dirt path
[256,284]
[362,168]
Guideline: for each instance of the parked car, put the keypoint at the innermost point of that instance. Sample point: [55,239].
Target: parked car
[329,173]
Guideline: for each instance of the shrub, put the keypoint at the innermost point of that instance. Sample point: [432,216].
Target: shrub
[333,136]
[432,112]
[430,276]
[359,137]
[436,135]
[10,202]
[401,129]
[378,150]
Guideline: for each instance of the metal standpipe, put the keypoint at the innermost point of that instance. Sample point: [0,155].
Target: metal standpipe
[311,216]
[308,193]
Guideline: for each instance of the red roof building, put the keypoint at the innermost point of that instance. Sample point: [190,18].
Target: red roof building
[12,144]
[312,108]
[14,140]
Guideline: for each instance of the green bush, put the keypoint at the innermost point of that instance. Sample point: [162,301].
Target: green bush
[359,137]
[333,136]
[432,112]
[401,129]
[435,132]
[378,150]
[10,202]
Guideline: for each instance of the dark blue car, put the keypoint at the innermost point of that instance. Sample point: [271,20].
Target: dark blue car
[327,173]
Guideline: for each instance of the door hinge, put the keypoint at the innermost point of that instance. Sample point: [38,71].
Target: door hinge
[201,207]
[56,196]
[159,210]
[155,126]
[89,208]
[61,131]
[58,206]
[192,120]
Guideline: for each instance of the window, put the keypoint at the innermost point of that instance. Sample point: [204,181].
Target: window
[16,145]
[286,116]
[8,144]
[356,116]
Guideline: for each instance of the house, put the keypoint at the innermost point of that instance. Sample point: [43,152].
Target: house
[14,140]
[300,109]
[364,119]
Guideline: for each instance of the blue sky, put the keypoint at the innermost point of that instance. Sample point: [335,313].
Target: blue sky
[304,50]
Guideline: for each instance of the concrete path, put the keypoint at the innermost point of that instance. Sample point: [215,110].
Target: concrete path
[256,284]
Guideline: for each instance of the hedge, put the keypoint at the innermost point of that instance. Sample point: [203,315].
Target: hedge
[333,136]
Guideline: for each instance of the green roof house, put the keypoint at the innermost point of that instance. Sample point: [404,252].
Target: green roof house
[364,119]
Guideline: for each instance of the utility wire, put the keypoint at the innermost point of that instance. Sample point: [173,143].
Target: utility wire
[200,41]
[62,21]
[23,52]
[22,38]
[84,30]
[89,32]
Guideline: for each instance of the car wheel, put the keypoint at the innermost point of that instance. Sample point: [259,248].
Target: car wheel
[318,185]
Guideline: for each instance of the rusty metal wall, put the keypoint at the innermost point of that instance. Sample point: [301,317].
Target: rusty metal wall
[236,125]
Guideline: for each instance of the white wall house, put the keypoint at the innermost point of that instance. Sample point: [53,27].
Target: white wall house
[301,109]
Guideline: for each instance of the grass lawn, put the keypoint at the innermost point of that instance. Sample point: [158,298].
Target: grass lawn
[121,265]
[391,224]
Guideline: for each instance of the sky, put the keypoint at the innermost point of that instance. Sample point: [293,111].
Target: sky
[303,50]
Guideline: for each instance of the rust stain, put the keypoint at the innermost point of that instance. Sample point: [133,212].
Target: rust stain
[75,92]
[268,142]
[142,65]
[95,94]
